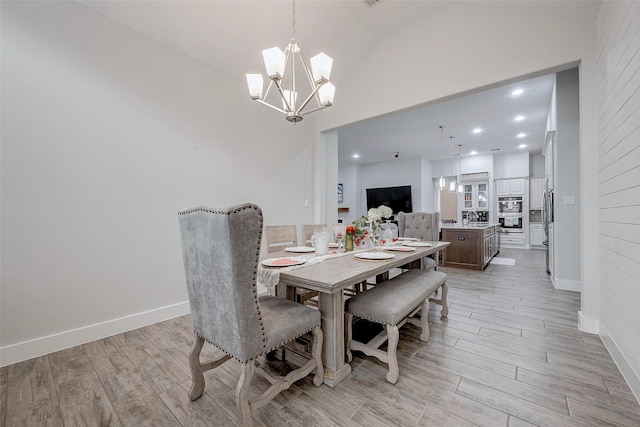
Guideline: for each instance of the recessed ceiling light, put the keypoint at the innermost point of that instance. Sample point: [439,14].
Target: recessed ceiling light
[522,146]
[473,153]
[355,156]
[518,118]
[517,92]
[477,130]
[521,135]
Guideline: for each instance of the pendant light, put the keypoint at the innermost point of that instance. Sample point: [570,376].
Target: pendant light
[442,183]
[460,186]
[452,183]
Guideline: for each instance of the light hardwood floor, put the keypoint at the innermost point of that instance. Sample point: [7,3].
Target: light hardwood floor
[509,354]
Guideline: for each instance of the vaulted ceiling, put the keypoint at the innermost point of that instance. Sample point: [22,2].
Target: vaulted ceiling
[230,35]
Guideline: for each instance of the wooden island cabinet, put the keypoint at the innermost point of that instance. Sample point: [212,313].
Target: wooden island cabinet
[471,246]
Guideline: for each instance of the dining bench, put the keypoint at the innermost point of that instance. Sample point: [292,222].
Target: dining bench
[393,303]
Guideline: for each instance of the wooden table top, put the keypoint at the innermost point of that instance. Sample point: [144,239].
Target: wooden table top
[335,274]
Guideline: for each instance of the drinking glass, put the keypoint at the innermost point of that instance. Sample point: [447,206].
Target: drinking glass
[386,235]
[339,231]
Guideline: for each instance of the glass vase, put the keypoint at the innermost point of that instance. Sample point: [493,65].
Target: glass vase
[348,242]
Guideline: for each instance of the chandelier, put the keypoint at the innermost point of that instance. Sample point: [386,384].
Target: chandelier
[281,70]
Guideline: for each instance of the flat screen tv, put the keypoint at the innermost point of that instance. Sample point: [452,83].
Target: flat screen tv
[397,198]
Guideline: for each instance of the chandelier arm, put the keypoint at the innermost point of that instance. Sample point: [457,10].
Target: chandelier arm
[268,89]
[318,108]
[306,101]
[270,106]
[308,72]
[284,98]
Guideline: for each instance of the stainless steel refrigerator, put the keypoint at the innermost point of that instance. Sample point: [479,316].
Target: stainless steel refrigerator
[547,222]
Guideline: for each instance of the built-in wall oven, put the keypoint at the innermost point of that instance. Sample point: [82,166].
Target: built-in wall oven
[510,215]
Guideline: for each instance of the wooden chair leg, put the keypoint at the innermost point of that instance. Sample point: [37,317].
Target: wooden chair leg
[197,379]
[348,328]
[242,393]
[424,321]
[316,351]
[392,346]
[445,307]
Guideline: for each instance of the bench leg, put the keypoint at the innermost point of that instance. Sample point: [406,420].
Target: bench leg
[445,307]
[392,345]
[424,321]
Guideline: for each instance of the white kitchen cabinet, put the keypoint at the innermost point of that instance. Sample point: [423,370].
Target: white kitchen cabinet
[512,240]
[475,196]
[536,191]
[508,187]
[536,234]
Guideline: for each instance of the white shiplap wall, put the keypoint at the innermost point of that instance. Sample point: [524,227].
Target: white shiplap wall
[619,183]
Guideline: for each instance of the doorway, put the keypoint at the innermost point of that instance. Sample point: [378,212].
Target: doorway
[448,203]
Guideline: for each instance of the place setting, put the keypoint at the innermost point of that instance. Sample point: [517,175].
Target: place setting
[300,249]
[373,256]
[282,262]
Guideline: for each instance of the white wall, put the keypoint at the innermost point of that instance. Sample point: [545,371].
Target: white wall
[567,182]
[460,47]
[429,204]
[511,165]
[393,173]
[618,195]
[536,166]
[106,134]
[349,177]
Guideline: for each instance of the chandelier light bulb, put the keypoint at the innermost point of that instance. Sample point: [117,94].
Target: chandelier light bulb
[256,84]
[290,98]
[321,68]
[274,60]
[326,93]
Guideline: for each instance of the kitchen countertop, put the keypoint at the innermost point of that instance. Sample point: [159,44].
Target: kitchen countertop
[470,226]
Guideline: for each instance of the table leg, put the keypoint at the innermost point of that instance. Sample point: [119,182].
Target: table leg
[331,308]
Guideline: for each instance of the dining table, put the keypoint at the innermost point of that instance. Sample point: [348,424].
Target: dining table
[330,276]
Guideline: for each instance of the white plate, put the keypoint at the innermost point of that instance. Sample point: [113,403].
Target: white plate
[300,249]
[417,244]
[373,255]
[282,262]
[408,239]
[400,248]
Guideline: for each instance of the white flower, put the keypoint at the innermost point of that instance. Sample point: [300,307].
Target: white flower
[374,215]
[385,211]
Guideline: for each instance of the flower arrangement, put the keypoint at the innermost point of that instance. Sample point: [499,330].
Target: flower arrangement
[374,217]
[354,236]
[369,223]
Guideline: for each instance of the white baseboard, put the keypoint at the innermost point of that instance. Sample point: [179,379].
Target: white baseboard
[588,324]
[632,377]
[25,350]
[567,285]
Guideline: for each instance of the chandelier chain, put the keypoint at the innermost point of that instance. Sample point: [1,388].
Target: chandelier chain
[293,20]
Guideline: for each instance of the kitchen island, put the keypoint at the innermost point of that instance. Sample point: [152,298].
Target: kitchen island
[471,246]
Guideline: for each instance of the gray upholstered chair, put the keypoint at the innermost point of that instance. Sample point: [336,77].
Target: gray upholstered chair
[423,226]
[221,248]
